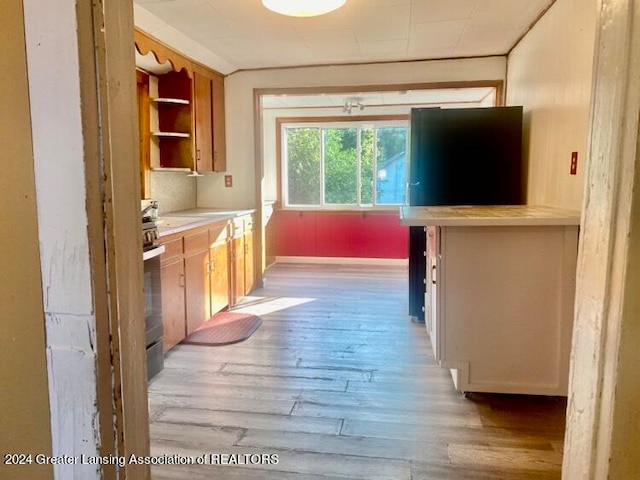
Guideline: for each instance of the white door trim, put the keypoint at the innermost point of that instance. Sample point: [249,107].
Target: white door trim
[603,425]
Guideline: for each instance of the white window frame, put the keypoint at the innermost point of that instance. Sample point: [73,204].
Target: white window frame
[359,125]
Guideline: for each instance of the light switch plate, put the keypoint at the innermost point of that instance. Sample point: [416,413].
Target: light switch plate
[574,163]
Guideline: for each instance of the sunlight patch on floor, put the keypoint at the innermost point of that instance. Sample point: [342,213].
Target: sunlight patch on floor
[263,305]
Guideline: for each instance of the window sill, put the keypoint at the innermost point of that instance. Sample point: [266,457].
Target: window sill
[372,210]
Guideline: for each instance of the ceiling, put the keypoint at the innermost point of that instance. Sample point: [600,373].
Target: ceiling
[230,35]
[443,97]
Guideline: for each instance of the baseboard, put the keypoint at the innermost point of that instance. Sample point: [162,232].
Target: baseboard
[403,262]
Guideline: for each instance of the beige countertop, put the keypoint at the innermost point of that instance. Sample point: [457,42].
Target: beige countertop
[487,215]
[176,222]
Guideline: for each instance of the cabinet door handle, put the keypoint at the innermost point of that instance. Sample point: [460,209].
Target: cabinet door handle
[197,155]
[433,274]
[181,280]
[212,266]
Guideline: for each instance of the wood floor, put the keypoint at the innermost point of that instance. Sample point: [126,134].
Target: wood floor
[338,383]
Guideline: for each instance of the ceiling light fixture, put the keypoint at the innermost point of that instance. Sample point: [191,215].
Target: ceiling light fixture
[351,103]
[303,8]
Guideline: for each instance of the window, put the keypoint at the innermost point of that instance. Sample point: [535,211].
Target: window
[349,164]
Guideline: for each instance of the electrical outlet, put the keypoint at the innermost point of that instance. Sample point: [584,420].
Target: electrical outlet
[228,181]
[574,163]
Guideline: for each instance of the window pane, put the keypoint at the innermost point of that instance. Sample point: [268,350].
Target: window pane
[391,165]
[340,165]
[366,167]
[303,164]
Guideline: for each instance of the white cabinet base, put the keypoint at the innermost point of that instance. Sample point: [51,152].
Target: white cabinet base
[502,306]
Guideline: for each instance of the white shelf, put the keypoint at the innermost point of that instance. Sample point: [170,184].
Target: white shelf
[171,134]
[177,101]
[171,169]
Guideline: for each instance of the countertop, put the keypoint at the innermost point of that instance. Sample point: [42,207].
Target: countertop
[176,222]
[487,215]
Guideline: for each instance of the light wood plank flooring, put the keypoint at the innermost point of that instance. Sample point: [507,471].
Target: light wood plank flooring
[340,384]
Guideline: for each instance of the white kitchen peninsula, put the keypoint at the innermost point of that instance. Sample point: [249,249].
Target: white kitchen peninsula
[499,294]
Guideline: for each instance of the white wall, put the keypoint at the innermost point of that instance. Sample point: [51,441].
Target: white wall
[239,109]
[550,73]
[58,148]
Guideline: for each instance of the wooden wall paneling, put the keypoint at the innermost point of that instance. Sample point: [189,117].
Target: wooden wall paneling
[329,233]
[307,223]
[384,236]
[376,234]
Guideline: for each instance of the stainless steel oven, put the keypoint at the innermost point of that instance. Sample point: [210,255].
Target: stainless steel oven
[153,310]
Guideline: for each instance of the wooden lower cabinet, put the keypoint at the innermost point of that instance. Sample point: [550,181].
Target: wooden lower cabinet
[173,300]
[219,267]
[243,276]
[248,262]
[237,262]
[197,286]
[204,270]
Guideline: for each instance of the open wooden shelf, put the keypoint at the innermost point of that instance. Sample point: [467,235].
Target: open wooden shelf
[171,134]
[177,101]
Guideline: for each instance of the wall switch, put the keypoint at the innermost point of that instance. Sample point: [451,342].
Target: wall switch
[228,181]
[574,163]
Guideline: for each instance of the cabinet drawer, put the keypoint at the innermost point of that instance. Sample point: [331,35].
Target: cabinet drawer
[238,227]
[196,243]
[219,233]
[242,224]
[248,223]
[172,250]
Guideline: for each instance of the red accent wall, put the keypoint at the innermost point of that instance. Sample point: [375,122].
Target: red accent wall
[339,234]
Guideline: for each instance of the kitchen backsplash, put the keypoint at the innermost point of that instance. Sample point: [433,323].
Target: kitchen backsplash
[173,191]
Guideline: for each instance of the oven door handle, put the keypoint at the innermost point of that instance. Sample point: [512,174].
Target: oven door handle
[154,252]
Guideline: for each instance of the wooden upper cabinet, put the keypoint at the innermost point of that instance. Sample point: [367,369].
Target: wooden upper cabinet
[187,114]
[210,144]
[219,132]
[144,130]
[202,102]
[174,112]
